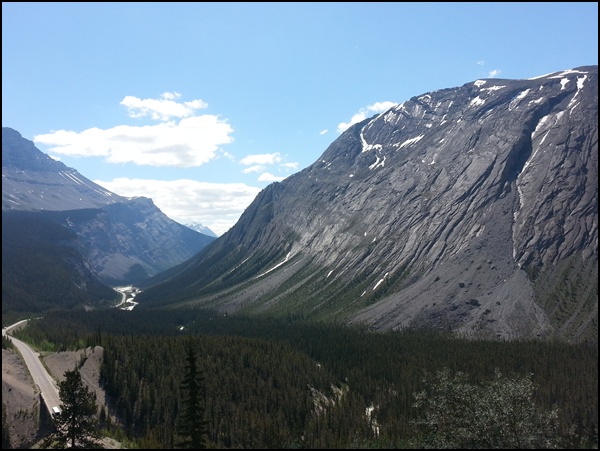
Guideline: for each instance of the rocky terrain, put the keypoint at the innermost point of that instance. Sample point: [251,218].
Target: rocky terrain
[124,239]
[473,209]
[22,398]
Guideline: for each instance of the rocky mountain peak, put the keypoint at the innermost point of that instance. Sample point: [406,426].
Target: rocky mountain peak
[451,210]
[125,240]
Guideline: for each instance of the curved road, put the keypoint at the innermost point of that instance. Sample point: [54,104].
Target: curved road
[41,377]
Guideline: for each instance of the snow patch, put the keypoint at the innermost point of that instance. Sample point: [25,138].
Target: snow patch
[493,88]
[539,100]
[380,281]
[564,73]
[580,82]
[559,75]
[515,102]
[378,163]
[287,257]
[365,146]
[411,141]
[477,101]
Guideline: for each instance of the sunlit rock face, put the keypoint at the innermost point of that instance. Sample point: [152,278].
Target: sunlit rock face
[32,181]
[125,240]
[459,209]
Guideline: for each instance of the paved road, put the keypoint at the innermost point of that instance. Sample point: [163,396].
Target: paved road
[38,372]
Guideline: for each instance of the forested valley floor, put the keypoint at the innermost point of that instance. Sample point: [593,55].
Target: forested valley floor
[272,383]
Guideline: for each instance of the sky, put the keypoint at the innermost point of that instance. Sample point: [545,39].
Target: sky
[199,106]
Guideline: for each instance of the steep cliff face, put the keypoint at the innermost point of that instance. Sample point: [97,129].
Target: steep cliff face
[33,181]
[446,211]
[126,240]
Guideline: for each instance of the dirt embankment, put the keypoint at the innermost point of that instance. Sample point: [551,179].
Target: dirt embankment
[22,399]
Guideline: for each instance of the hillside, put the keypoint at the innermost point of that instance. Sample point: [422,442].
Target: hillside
[472,208]
[125,240]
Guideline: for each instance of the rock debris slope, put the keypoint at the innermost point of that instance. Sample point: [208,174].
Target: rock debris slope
[472,209]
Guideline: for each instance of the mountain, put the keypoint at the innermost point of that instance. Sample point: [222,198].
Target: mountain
[125,240]
[31,180]
[198,227]
[473,209]
[42,270]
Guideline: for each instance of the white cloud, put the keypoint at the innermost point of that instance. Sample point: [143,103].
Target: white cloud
[481,63]
[215,205]
[161,109]
[268,177]
[259,161]
[292,166]
[322,132]
[170,95]
[493,73]
[263,158]
[255,168]
[191,142]
[376,108]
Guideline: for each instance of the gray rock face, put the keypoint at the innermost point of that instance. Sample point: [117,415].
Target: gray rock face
[32,181]
[445,211]
[126,240]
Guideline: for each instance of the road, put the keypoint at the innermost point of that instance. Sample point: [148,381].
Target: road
[41,377]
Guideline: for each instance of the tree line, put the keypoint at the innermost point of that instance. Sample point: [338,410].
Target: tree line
[273,383]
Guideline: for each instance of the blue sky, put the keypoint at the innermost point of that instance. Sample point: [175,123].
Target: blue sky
[201,105]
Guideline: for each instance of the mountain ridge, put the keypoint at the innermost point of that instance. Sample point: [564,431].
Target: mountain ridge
[441,212]
[125,240]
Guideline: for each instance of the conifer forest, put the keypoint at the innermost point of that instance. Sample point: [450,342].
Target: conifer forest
[291,383]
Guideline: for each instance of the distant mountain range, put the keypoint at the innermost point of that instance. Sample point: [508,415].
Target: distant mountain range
[473,209]
[117,240]
[201,228]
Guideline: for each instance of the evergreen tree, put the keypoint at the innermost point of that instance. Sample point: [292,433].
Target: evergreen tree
[498,414]
[192,427]
[76,425]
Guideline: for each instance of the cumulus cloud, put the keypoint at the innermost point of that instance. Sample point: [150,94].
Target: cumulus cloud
[259,163]
[291,166]
[268,177]
[262,158]
[255,168]
[162,109]
[190,142]
[376,108]
[215,205]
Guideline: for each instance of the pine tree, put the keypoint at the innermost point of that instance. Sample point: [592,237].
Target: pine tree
[497,414]
[192,427]
[76,425]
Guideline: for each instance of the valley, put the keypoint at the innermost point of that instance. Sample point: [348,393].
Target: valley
[438,259]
